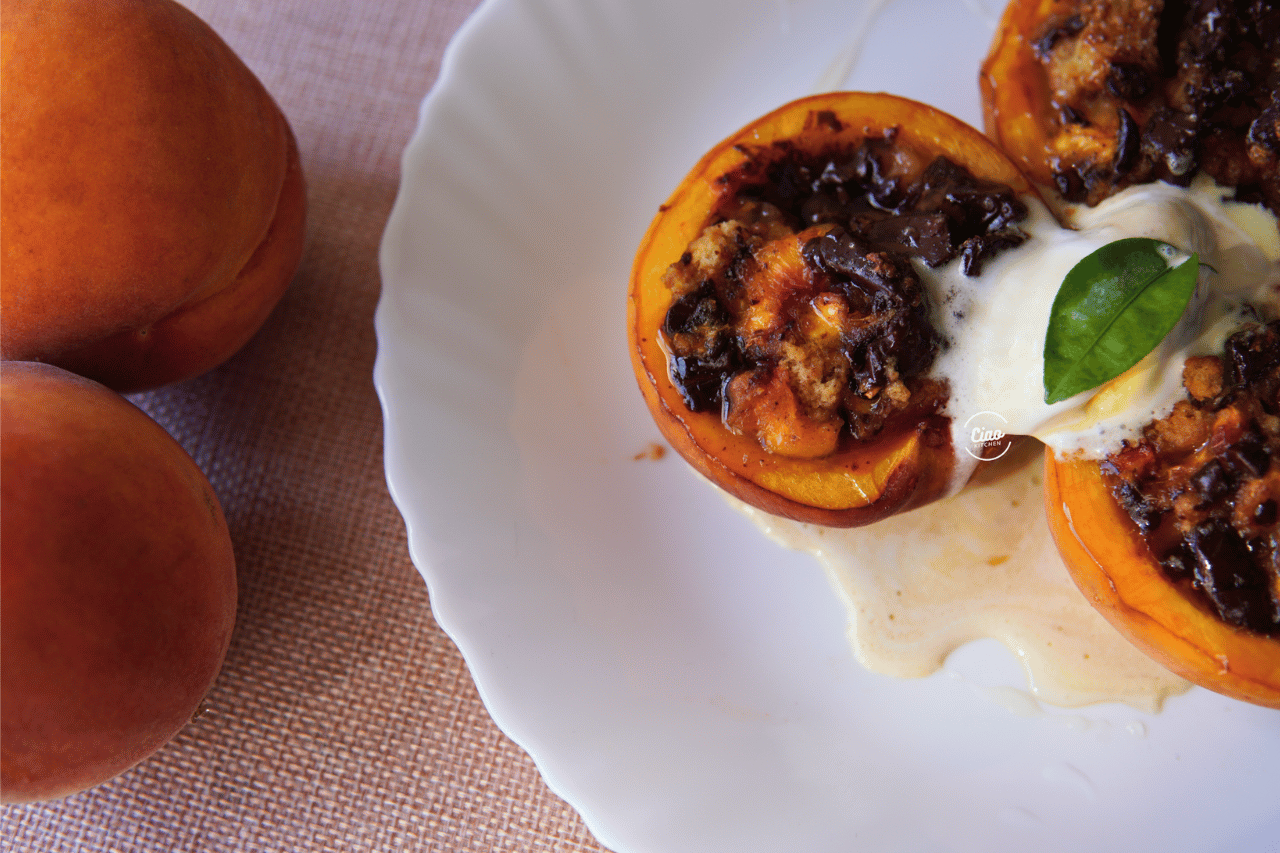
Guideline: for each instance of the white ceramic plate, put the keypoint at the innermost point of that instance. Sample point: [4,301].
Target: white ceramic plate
[682,682]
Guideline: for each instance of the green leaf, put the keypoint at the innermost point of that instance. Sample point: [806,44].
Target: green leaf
[1113,308]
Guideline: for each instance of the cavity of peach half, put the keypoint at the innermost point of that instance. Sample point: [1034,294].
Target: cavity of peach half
[849,479]
[880,476]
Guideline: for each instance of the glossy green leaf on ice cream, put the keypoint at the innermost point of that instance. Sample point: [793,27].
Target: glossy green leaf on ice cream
[1114,306]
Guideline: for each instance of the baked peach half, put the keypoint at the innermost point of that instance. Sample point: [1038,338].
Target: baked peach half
[1174,537]
[1089,97]
[779,328]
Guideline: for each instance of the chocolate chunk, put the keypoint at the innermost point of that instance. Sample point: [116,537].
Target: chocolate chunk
[1251,355]
[1208,33]
[1170,144]
[1131,500]
[973,207]
[875,274]
[839,173]
[702,363]
[923,235]
[1128,143]
[1212,482]
[1070,184]
[975,250]
[1248,457]
[1069,115]
[882,191]
[1264,131]
[697,309]
[1056,32]
[821,208]
[1264,20]
[1227,574]
[1225,88]
[1128,80]
[1179,563]
[701,379]
[828,120]
[903,340]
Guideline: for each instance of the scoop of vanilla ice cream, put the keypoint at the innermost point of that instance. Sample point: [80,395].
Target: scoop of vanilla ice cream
[995,324]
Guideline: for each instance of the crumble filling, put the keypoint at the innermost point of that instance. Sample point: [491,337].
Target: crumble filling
[1202,484]
[1146,90]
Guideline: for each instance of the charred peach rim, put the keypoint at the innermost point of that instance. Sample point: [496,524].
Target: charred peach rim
[1109,560]
[852,487]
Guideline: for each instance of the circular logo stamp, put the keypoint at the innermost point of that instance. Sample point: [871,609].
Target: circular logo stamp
[987,439]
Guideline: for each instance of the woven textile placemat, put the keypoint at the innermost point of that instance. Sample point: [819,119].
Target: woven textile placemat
[344,718]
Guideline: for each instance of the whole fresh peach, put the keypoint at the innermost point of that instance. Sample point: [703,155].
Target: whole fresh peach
[117,584]
[151,198]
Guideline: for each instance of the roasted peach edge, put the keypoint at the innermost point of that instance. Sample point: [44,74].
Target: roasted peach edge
[1112,565]
[1015,91]
[853,487]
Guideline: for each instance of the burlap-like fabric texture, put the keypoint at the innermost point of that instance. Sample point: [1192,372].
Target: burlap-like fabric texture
[344,718]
